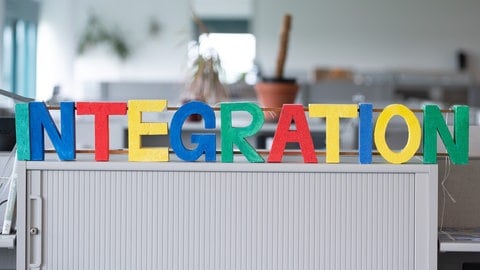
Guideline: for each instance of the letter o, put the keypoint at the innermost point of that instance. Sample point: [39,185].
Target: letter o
[414,134]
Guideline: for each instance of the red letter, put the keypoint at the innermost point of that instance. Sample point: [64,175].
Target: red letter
[292,113]
[102,110]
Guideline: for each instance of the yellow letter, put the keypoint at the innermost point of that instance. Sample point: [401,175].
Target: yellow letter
[332,114]
[414,134]
[137,128]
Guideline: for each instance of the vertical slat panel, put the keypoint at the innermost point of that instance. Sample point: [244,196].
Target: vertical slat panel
[227,220]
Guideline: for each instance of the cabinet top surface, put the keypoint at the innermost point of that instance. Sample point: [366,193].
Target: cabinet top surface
[289,164]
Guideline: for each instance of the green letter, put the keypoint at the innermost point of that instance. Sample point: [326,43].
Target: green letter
[22,131]
[433,122]
[236,135]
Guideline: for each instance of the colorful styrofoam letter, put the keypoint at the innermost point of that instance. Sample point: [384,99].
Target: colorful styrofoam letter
[137,128]
[433,123]
[102,111]
[206,142]
[414,134]
[365,133]
[40,120]
[332,114]
[22,131]
[292,113]
[236,135]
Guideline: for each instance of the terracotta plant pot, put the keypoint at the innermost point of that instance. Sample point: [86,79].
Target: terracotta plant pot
[275,93]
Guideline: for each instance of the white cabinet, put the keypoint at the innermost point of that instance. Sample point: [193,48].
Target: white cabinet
[120,215]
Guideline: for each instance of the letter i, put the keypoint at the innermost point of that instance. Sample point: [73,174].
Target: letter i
[365,133]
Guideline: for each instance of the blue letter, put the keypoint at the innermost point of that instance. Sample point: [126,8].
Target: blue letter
[40,120]
[206,142]
[365,131]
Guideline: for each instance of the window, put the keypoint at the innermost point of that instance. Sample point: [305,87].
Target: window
[236,53]
[19,39]
[233,43]
[19,47]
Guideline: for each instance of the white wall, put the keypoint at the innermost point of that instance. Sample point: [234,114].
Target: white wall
[55,46]
[223,9]
[155,58]
[159,57]
[368,34]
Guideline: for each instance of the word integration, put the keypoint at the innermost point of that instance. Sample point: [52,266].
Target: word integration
[33,120]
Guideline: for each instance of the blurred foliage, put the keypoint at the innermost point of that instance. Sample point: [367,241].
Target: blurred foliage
[96,33]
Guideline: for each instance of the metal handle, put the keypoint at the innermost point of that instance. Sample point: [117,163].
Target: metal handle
[35,257]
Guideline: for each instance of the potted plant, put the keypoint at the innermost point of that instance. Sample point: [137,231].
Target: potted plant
[204,83]
[272,93]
